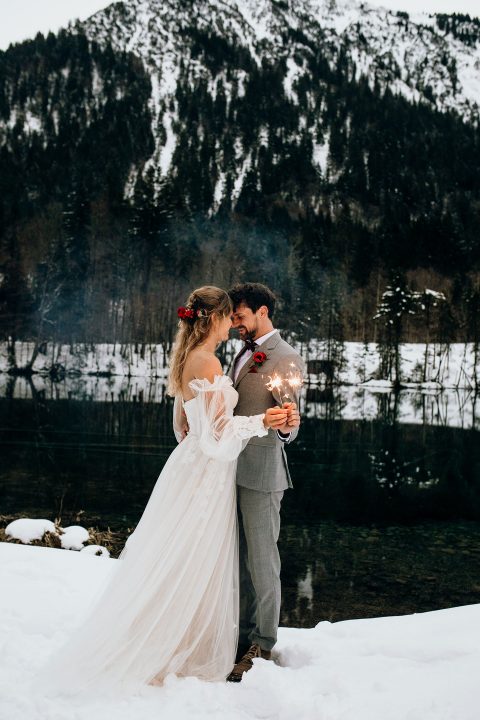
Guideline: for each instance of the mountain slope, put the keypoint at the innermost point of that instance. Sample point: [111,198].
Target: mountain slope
[420,56]
[283,141]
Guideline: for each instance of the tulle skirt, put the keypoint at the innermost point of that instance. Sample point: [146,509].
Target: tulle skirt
[171,604]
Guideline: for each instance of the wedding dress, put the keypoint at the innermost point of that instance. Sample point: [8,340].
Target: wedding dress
[171,604]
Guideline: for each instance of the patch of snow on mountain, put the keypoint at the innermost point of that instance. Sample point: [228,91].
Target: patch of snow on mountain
[320,154]
[292,74]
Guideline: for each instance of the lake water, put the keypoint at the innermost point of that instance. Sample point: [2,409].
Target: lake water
[384,518]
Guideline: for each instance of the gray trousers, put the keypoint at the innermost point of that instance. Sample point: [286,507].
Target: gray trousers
[260,592]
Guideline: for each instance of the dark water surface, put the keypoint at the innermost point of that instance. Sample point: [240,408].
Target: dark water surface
[384,518]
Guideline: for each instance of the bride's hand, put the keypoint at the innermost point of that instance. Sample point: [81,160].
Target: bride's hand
[275,417]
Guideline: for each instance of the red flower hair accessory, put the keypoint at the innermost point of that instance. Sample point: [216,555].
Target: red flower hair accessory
[185,313]
[188,313]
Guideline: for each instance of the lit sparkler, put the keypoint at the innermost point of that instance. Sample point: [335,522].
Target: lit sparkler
[287,385]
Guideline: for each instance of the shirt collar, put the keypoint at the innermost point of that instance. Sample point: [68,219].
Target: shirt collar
[262,339]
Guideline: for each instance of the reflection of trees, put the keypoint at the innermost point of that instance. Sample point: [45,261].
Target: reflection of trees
[472,301]
[375,570]
[388,406]
[297,551]
[392,473]
[102,457]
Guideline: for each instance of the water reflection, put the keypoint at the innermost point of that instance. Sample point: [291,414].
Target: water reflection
[449,408]
[384,517]
[337,572]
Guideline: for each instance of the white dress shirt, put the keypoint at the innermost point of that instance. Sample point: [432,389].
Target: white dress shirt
[246,357]
[248,353]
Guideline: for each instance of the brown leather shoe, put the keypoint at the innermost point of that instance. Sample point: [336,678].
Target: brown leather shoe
[246,663]
[241,650]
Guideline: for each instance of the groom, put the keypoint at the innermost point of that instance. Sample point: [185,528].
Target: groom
[262,469]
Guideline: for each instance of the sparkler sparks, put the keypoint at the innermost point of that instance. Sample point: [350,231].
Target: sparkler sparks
[274,383]
[287,385]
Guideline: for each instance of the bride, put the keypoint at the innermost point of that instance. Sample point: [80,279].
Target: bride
[171,604]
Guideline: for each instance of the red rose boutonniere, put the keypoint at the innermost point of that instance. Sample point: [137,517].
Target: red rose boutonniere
[258,358]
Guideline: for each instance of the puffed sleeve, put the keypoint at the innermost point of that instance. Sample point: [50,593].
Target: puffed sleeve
[223,436]
[180,423]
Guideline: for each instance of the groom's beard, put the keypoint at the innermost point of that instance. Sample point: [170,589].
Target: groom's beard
[249,334]
[244,334]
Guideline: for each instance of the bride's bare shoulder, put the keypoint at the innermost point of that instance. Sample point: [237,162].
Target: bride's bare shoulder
[202,364]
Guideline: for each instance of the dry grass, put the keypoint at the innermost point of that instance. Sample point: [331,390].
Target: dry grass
[111,539]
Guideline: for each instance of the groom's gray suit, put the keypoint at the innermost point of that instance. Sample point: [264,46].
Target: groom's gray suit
[262,478]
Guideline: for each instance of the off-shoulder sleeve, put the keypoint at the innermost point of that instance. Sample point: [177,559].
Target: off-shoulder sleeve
[223,435]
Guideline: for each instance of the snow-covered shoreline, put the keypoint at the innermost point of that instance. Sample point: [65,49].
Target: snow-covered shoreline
[104,373]
[422,666]
[437,366]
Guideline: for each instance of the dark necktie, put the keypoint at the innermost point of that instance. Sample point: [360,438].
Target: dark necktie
[249,345]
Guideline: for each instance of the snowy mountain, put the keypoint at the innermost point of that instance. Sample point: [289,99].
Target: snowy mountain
[422,57]
[318,146]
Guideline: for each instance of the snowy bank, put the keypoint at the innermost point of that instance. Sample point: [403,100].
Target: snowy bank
[415,667]
[454,365]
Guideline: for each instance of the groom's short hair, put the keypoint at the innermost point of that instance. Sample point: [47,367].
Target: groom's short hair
[253,295]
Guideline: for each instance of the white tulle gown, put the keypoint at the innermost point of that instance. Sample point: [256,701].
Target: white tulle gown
[171,604]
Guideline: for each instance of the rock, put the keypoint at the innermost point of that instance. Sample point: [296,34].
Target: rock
[99,550]
[74,537]
[28,529]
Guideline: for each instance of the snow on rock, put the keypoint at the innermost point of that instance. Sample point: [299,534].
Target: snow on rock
[417,667]
[98,550]
[28,529]
[73,537]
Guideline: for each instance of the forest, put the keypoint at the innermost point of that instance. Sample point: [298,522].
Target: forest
[94,247]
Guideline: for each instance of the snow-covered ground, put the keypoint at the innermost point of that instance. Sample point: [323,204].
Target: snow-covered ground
[414,667]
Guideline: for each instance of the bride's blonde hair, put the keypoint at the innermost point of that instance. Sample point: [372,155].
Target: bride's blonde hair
[192,331]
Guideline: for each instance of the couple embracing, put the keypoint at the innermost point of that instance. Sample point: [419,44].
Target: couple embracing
[196,588]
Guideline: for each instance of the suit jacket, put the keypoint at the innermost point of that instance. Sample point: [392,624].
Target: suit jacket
[263,465]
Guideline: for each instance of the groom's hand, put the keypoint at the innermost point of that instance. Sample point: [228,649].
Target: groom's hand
[292,420]
[293,415]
